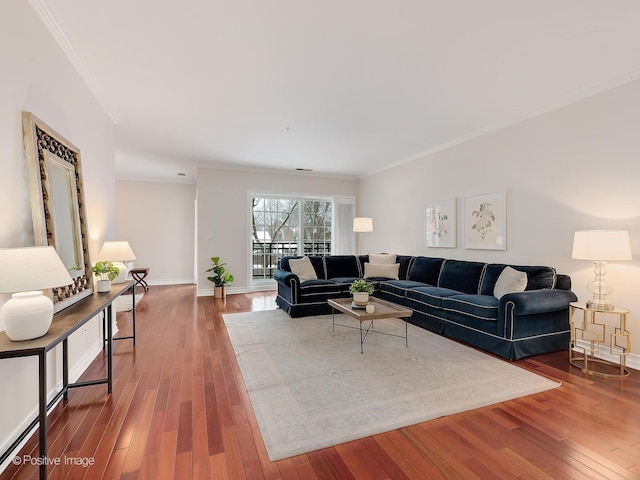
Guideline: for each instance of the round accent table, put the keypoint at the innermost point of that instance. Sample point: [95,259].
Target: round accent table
[589,336]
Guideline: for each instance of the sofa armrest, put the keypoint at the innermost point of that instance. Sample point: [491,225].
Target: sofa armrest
[534,313]
[288,285]
[284,277]
[533,302]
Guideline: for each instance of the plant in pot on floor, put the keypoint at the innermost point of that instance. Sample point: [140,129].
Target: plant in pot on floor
[220,278]
[361,289]
[106,273]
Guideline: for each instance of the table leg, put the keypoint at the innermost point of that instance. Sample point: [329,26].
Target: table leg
[406,334]
[65,368]
[109,348]
[133,312]
[42,413]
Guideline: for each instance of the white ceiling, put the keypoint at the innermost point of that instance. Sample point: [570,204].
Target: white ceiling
[343,87]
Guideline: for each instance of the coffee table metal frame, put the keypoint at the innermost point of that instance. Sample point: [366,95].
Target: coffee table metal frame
[383,309]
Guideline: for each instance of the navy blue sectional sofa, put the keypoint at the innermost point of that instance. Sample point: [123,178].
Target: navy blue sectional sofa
[450,297]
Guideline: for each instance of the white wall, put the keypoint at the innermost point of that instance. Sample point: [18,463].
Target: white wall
[158,221]
[36,76]
[223,214]
[577,167]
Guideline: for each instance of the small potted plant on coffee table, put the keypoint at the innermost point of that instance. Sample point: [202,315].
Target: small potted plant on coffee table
[106,272]
[361,289]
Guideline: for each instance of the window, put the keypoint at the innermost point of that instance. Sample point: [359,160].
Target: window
[287,226]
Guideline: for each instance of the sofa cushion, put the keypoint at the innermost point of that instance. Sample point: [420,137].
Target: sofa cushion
[399,288]
[314,290]
[405,262]
[336,266]
[343,280]
[381,271]
[431,295]
[382,258]
[462,276]
[537,277]
[316,261]
[303,268]
[509,281]
[425,270]
[479,306]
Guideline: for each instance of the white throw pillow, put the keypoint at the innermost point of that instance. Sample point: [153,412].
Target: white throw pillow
[303,268]
[510,280]
[382,258]
[372,270]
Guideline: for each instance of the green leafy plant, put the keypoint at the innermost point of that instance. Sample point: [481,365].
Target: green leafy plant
[361,286]
[105,271]
[220,276]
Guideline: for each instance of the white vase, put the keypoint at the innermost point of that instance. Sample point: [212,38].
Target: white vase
[361,298]
[27,315]
[103,286]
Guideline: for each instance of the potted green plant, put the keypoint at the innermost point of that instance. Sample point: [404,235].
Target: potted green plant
[361,289]
[106,273]
[220,278]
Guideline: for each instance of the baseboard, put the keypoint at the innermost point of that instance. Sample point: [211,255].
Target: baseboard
[633,360]
[171,281]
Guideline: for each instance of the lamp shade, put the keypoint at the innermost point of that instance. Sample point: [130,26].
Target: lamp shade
[31,268]
[604,245]
[116,251]
[363,224]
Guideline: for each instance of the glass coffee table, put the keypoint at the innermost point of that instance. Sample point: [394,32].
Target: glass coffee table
[382,309]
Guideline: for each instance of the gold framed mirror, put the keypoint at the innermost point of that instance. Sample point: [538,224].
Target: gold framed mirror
[57,205]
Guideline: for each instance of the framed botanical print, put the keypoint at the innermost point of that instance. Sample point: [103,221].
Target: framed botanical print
[485,221]
[440,225]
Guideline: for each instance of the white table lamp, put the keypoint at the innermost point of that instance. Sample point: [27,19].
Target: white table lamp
[24,272]
[118,253]
[360,226]
[601,246]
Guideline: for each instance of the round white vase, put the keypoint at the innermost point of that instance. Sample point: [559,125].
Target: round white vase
[361,298]
[27,315]
[103,286]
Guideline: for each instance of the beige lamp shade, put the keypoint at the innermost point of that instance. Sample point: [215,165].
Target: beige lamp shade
[31,268]
[116,251]
[363,224]
[25,272]
[605,245]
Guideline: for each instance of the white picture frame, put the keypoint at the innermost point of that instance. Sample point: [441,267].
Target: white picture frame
[485,221]
[440,224]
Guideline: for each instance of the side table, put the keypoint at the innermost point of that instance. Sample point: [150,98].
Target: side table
[139,275]
[588,329]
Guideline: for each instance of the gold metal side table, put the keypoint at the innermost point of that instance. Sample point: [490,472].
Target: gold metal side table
[588,329]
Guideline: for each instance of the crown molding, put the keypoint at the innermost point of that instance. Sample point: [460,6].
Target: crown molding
[47,17]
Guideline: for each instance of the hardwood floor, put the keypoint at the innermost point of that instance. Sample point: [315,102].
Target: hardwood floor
[179,410]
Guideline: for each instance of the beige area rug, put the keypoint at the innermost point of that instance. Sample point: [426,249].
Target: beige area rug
[311,388]
[124,302]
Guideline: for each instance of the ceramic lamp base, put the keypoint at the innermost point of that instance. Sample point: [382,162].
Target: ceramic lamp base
[124,272]
[27,315]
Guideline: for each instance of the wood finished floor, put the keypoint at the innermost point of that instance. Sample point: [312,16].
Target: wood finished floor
[179,410]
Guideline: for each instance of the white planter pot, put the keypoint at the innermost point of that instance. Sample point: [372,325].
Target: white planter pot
[103,286]
[361,298]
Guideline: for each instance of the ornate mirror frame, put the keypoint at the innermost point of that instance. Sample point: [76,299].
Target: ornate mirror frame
[57,205]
